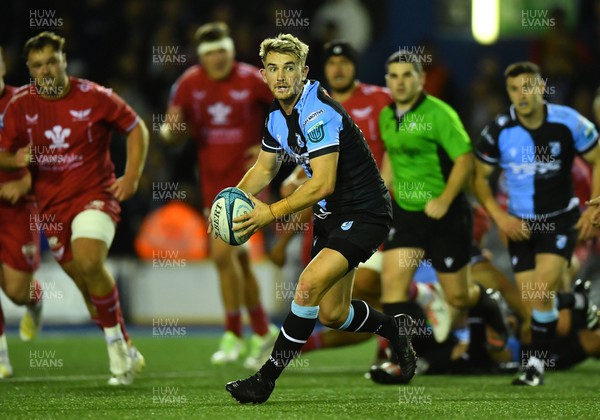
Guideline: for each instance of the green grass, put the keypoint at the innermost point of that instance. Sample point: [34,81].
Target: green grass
[326,384]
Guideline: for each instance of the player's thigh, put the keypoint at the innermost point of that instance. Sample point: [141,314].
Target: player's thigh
[221,252]
[335,304]
[451,238]
[398,268]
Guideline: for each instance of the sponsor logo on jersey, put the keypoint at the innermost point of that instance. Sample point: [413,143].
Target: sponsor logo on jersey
[299,140]
[532,168]
[448,261]
[554,148]
[361,113]
[316,133]
[219,113]
[84,87]
[31,119]
[561,241]
[391,234]
[58,135]
[347,225]
[80,115]
[312,116]
[514,261]
[239,95]
[198,95]
[502,120]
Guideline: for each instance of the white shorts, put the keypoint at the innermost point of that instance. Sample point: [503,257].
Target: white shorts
[93,224]
[375,262]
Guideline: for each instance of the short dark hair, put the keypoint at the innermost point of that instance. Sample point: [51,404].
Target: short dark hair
[42,40]
[521,67]
[403,56]
[212,31]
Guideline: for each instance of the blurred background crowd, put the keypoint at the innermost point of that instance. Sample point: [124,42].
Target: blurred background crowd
[114,43]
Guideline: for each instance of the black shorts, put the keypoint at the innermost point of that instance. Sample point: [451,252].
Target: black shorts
[355,235]
[552,235]
[446,242]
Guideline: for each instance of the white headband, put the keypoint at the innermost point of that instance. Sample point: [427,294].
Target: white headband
[221,44]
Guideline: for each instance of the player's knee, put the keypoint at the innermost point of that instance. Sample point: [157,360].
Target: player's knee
[458,299]
[89,265]
[307,291]
[18,291]
[222,256]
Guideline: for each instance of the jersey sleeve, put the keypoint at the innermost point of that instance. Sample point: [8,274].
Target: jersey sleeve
[486,146]
[585,134]
[269,144]
[9,138]
[179,95]
[323,134]
[118,113]
[452,134]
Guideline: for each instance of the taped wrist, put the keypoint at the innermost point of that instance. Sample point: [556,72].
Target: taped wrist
[281,208]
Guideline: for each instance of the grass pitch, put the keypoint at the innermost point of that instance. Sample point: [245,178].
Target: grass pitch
[64,376]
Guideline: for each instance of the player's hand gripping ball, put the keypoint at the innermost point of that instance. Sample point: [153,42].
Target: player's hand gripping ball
[227,205]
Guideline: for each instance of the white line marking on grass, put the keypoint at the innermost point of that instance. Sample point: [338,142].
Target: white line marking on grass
[157,375]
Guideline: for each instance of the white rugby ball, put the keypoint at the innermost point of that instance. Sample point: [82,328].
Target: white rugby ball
[227,205]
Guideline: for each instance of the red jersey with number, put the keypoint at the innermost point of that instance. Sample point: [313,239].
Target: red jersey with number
[6,96]
[70,138]
[364,107]
[226,118]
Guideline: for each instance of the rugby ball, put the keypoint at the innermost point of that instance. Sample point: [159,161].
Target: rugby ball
[227,205]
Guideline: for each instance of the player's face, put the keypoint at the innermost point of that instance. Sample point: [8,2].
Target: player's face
[284,75]
[340,73]
[526,92]
[404,82]
[217,63]
[48,67]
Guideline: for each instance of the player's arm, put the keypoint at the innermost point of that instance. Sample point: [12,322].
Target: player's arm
[319,186]
[461,172]
[174,130]
[293,181]
[12,191]
[589,218]
[13,161]
[316,188]
[261,173]
[386,171]
[137,149]
[510,225]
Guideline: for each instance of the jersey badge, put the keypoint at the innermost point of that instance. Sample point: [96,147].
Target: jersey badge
[316,133]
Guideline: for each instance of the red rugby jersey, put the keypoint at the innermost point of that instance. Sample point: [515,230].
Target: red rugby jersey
[70,138]
[364,107]
[7,94]
[226,118]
